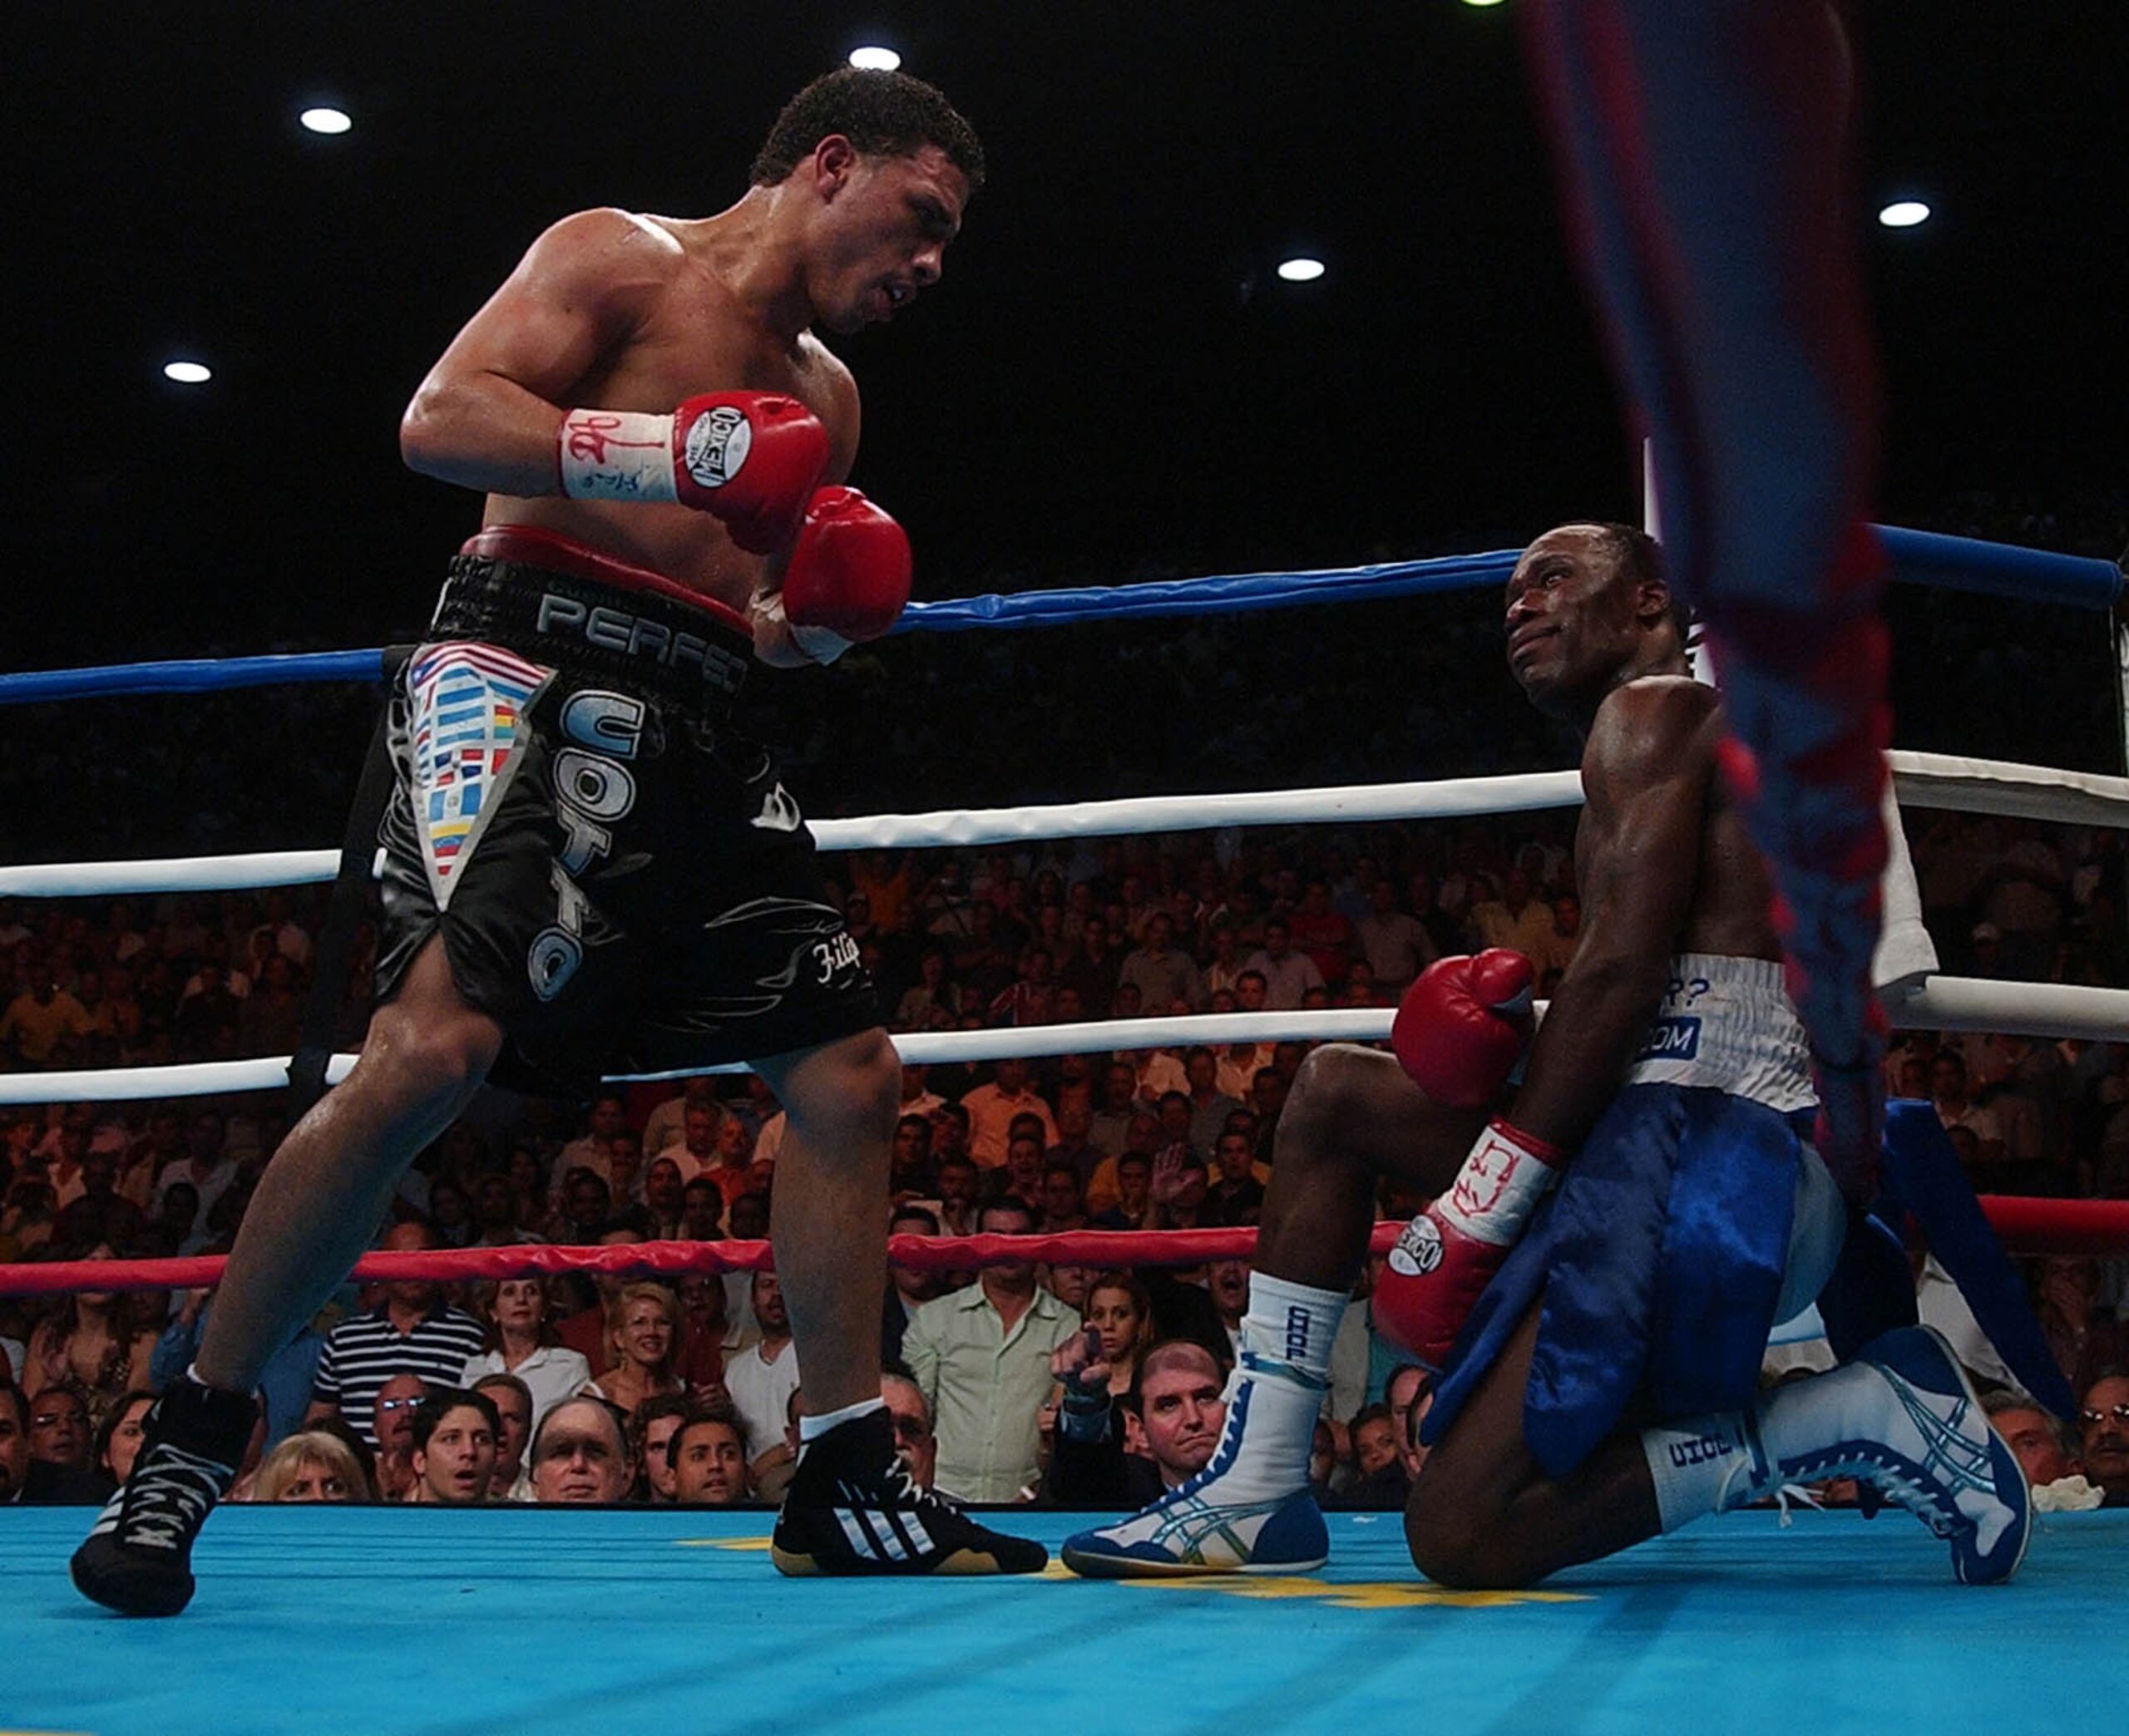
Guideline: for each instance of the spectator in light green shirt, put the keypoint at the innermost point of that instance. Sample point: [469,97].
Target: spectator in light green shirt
[981,1356]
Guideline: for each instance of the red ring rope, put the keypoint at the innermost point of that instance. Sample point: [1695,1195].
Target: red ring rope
[2026,1226]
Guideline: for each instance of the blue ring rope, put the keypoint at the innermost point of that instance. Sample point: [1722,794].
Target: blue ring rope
[1918,557]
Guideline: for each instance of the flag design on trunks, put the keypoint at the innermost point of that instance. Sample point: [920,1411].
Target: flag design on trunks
[470,703]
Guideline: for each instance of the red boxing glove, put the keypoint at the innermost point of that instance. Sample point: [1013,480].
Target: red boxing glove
[751,458]
[1444,1259]
[1461,1026]
[848,576]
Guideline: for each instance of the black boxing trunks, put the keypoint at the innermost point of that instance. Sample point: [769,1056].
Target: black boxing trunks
[621,879]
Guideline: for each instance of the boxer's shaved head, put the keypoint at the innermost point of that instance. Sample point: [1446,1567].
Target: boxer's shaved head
[882,114]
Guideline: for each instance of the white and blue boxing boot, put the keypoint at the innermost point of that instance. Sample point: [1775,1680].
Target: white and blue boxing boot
[1901,1419]
[1249,1511]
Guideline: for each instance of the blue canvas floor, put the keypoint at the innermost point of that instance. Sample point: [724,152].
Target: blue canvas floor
[318,1620]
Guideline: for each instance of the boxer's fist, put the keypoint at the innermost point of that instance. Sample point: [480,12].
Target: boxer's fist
[1462,1025]
[752,458]
[1446,1257]
[1433,1279]
[848,575]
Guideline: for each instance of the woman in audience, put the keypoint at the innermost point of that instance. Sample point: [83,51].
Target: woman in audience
[644,1331]
[1116,1305]
[315,1465]
[118,1442]
[95,1339]
[1119,1308]
[521,1342]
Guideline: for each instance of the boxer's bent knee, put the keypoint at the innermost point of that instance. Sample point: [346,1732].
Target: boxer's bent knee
[1467,1546]
[847,1089]
[428,1045]
[1335,1084]
[425,1061]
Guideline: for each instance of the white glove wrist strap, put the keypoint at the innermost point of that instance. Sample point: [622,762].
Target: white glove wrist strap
[1503,1179]
[616,455]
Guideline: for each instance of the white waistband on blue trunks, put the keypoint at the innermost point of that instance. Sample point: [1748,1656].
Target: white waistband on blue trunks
[1728,1022]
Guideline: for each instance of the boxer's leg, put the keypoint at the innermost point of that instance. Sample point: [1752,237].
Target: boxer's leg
[1902,1417]
[316,1209]
[1484,1515]
[830,1205]
[851,1507]
[1353,1117]
[319,1203]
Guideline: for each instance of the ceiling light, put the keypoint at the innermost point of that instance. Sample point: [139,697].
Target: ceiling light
[1300,271]
[325,119]
[188,373]
[1904,214]
[875,59]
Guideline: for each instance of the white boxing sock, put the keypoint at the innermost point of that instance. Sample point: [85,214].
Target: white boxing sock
[1291,1322]
[1719,1462]
[1277,1391]
[1693,1462]
[812,1428]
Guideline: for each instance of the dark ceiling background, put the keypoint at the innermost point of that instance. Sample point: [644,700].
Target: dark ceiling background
[1109,377]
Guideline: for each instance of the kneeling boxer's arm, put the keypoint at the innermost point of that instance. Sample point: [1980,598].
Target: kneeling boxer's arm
[1645,774]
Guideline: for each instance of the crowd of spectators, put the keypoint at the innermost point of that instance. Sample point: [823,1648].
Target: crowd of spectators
[1022,1382]
[1015,1382]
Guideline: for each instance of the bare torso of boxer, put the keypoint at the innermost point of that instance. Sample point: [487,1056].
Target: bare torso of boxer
[1661,862]
[690,333]
[609,310]
[1727,914]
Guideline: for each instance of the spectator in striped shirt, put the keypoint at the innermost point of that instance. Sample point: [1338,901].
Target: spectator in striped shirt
[413,1331]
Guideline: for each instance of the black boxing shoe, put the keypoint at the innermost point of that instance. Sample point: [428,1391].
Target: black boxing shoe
[138,1558]
[853,1508]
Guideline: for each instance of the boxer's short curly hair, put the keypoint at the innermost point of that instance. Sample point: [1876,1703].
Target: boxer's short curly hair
[884,113]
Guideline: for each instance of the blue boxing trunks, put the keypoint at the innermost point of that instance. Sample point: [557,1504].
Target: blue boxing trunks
[619,878]
[1694,1217]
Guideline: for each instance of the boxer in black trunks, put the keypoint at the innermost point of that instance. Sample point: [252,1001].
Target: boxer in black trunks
[584,867]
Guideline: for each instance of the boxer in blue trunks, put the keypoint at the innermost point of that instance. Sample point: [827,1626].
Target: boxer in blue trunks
[1596,1283]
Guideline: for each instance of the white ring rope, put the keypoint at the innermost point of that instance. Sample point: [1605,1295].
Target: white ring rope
[1944,1004]
[1921,780]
